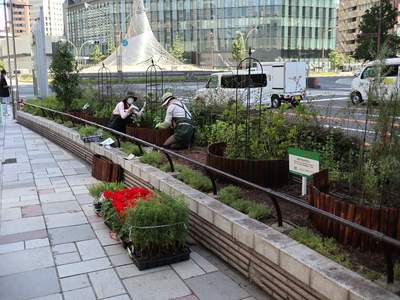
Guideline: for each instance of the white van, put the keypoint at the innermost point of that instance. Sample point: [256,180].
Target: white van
[361,84]
[223,87]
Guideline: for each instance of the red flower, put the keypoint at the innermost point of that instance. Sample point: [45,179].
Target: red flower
[127,198]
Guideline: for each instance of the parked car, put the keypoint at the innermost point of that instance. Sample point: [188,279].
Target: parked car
[362,84]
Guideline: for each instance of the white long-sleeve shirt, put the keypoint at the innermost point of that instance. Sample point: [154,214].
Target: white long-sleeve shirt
[176,109]
[124,113]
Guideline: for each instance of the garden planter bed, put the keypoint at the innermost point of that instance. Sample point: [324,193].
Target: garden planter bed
[151,135]
[385,220]
[282,267]
[144,263]
[268,173]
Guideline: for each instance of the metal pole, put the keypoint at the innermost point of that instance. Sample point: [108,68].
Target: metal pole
[15,62]
[8,52]
[379,28]
[323,49]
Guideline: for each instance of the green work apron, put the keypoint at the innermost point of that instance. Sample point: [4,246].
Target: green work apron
[183,131]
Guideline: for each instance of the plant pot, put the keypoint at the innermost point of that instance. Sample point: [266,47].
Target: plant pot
[267,173]
[97,207]
[144,263]
[151,135]
[105,170]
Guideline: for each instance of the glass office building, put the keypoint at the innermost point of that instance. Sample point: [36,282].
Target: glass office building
[103,22]
[277,29]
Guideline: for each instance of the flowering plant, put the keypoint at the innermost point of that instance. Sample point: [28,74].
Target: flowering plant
[127,198]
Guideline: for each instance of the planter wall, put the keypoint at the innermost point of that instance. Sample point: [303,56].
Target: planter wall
[268,173]
[151,135]
[280,266]
[385,220]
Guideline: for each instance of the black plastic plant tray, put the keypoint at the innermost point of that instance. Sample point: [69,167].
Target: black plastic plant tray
[148,263]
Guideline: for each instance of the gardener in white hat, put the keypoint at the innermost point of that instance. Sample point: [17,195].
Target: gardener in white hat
[180,119]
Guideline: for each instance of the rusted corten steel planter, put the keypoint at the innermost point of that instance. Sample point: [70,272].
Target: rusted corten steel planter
[385,220]
[268,173]
[105,170]
[151,135]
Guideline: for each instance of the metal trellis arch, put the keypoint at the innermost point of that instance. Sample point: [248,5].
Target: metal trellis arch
[104,87]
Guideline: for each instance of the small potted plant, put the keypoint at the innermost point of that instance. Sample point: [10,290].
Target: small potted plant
[97,190]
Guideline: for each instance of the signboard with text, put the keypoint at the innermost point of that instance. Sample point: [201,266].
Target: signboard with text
[303,163]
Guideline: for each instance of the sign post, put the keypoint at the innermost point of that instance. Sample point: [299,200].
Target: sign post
[303,163]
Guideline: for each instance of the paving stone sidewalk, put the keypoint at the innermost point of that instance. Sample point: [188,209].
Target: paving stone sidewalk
[53,246]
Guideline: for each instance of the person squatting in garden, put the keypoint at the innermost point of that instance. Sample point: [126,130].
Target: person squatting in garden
[180,119]
[4,91]
[122,111]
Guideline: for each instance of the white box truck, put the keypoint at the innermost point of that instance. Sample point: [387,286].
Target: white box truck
[278,82]
[286,81]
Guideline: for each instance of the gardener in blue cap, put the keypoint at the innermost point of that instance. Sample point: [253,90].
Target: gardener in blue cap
[179,118]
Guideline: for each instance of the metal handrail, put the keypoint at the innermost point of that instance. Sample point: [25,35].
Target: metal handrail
[278,196]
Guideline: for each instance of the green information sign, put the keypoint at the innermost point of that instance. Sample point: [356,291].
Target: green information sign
[303,163]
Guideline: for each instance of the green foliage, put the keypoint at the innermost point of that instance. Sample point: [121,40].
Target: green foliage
[96,190]
[65,76]
[229,194]
[238,47]
[58,121]
[2,65]
[232,196]
[149,228]
[130,148]
[259,211]
[335,58]
[111,216]
[379,18]
[97,56]
[68,124]
[87,131]
[152,158]
[397,271]
[191,177]
[110,46]
[326,247]
[177,50]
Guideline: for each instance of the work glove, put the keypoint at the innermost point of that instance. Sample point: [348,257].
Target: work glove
[158,125]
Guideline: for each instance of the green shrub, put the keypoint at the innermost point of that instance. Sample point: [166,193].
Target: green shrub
[191,177]
[146,225]
[68,124]
[58,121]
[241,205]
[152,158]
[97,189]
[259,211]
[229,194]
[130,148]
[327,247]
[87,131]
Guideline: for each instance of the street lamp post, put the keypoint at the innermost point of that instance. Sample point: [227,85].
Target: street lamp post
[74,46]
[90,42]
[211,39]
[323,46]
[8,54]
[249,33]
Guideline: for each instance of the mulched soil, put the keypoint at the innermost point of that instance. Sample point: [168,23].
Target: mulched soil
[294,215]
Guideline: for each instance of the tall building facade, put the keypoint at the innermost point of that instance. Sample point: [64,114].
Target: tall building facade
[277,29]
[100,21]
[21,17]
[350,13]
[287,29]
[53,15]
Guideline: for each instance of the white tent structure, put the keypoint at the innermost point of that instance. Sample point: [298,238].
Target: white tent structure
[141,49]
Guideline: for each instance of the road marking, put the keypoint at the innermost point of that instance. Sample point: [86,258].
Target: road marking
[349,129]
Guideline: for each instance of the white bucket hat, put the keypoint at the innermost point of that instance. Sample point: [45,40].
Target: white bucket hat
[166,98]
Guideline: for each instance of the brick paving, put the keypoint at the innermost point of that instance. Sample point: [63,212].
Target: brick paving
[53,246]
